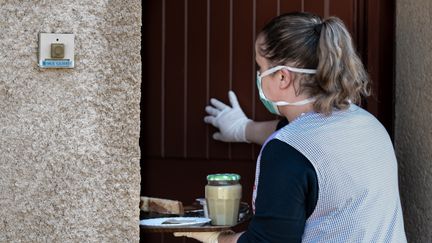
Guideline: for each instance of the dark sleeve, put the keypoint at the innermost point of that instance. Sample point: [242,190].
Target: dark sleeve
[286,197]
[282,122]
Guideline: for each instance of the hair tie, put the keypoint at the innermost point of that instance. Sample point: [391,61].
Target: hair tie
[317,28]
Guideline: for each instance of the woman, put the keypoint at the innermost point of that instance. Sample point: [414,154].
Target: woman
[330,174]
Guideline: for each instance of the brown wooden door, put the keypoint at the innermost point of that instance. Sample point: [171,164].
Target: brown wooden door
[197,49]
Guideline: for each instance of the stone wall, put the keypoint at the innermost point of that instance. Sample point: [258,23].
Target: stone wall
[69,150]
[413,118]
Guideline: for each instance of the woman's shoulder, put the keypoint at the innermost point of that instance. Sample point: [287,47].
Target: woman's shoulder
[282,155]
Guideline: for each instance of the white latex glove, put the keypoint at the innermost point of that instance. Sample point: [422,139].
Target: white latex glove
[231,121]
[206,237]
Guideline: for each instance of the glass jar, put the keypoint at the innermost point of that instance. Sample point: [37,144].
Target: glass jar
[223,194]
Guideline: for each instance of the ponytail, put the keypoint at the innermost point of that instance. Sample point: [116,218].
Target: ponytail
[340,75]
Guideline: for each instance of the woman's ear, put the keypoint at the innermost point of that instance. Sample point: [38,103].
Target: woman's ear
[285,79]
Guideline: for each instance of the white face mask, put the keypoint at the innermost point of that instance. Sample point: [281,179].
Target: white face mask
[272,106]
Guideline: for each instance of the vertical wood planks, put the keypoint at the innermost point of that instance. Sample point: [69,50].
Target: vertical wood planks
[379,55]
[344,9]
[196,79]
[174,79]
[219,66]
[373,54]
[199,50]
[151,135]
[359,28]
[265,11]
[287,6]
[314,6]
[243,80]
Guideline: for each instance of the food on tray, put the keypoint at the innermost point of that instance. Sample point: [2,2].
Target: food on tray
[177,221]
[162,206]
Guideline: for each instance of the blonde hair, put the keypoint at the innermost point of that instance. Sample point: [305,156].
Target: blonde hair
[303,40]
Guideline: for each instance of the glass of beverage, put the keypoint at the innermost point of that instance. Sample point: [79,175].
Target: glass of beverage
[223,194]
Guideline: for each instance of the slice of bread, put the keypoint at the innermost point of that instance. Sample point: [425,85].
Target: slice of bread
[162,206]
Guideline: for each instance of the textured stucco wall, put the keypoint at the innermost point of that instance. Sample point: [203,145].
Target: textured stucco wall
[69,151]
[413,118]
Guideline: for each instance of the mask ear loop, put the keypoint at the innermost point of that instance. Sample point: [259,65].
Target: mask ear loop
[292,69]
[301,70]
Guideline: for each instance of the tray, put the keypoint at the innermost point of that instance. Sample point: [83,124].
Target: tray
[245,216]
[204,228]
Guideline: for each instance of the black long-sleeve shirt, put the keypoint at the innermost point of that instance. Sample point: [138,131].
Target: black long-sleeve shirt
[287,195]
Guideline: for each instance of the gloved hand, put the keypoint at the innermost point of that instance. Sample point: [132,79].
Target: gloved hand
[206,237]
[231,121]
